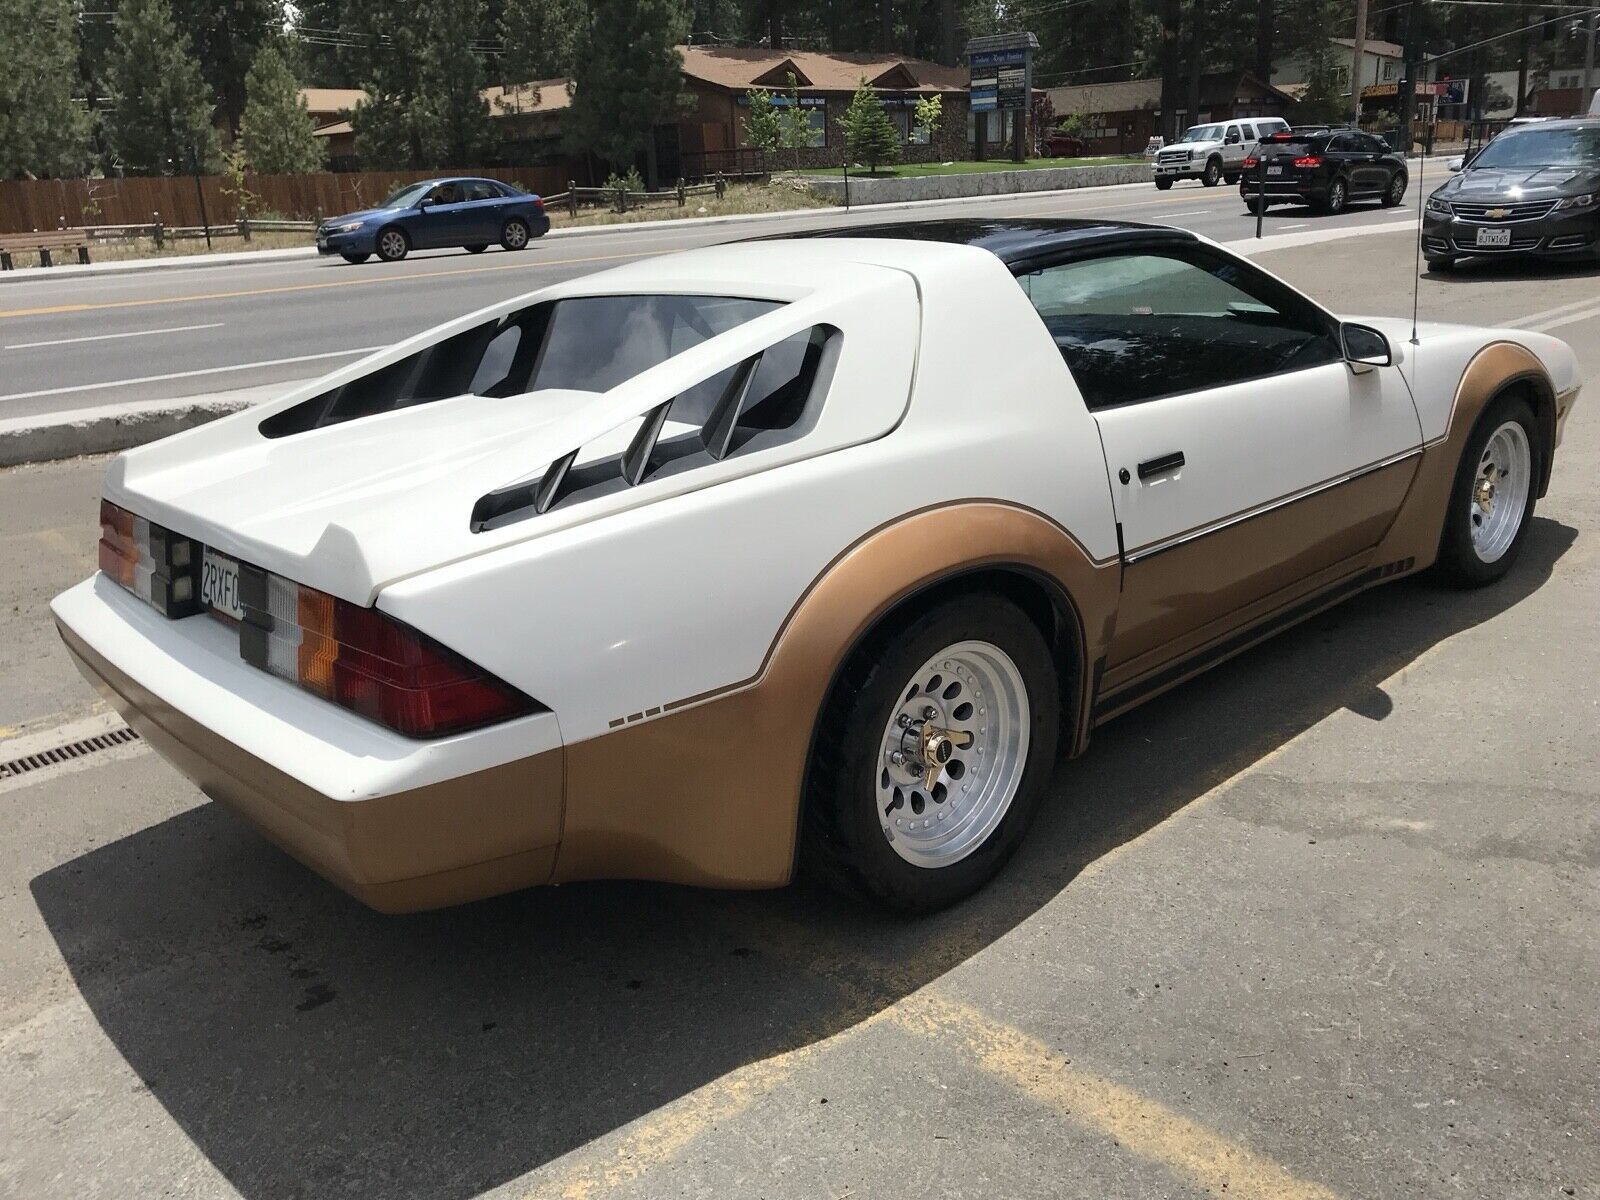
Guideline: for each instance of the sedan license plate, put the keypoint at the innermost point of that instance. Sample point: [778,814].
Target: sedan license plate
[1493,237]
[219,584]
[1274,170]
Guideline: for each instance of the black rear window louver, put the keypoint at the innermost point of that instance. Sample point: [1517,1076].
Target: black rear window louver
[766,400]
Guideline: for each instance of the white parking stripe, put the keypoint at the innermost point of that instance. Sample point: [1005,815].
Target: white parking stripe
[106,337]
[1569,319]
[1532,319]
[115,383]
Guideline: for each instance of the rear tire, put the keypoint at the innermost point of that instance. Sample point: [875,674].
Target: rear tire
[1334,200]
[516,234]
[1255,206]
[1213,175]
[393,244]
[1492,498]
[1163,185]
[1230,180]
[871,826]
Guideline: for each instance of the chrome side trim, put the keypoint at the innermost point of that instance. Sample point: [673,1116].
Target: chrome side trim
[1249,514]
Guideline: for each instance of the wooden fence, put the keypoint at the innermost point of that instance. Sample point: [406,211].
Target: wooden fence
[31,204]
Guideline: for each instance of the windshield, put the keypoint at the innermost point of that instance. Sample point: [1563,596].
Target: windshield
[1203,133]
[407,196]
[1571,147]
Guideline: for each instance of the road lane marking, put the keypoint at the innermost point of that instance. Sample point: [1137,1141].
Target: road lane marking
[521,264]
[106,337]
[113,383]
[1145,1126]
[1569,319]
[1531,318]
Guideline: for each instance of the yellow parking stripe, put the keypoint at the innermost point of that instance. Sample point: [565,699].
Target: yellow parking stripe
[1144,1126]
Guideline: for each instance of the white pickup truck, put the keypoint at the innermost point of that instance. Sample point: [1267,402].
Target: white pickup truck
[1213,153]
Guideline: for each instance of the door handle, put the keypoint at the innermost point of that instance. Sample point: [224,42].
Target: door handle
[1160,465]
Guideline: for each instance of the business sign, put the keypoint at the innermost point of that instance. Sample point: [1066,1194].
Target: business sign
[781,100]
[1001,72]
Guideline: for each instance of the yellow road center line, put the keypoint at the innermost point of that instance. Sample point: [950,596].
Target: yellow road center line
[47,310]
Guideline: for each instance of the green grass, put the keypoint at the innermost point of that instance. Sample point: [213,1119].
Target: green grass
[999,164]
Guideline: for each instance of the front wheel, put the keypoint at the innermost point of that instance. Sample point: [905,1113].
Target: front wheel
[1441,266]
[1163,185]
[1491,501]
[393,245]
[355,258]
[1213,175]
[477,248]
[1395,193]
[515,234]
[932,755]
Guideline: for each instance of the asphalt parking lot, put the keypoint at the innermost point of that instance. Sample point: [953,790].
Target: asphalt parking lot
[1322,924]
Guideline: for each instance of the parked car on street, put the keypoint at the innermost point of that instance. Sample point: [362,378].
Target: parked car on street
[1532,191]
[1326,169]
[1213,153]
[470,213]
[815,549]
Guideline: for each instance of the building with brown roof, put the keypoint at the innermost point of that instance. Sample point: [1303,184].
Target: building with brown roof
[712,136]
[1120,118]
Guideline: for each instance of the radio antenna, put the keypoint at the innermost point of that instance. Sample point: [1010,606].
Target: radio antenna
[1416,270]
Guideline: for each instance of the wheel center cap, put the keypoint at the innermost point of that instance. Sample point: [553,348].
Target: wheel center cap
[1483,493]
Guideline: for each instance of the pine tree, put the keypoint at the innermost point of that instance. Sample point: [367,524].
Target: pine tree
[275,131]
[226,35]
[160,116]
[540,38]
[450,113]
[869,135]
[43,131]
[629,78]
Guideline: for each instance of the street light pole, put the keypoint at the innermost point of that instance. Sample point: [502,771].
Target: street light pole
[1408,78]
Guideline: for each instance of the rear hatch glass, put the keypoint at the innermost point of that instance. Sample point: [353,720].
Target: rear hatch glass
[1294,148]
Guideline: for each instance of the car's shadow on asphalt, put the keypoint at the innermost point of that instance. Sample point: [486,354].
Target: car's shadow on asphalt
[1511,270]
[309,1046]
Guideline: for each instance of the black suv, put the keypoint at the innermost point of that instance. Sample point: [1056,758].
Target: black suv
[1534,190]
[1325,168]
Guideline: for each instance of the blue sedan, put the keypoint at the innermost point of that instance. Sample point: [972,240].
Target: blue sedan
[470,213]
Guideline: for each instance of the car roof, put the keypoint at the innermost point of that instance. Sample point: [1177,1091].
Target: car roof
[1013,241]
[1554,123]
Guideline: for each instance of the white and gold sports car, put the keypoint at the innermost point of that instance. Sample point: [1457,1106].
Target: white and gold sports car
[816,549]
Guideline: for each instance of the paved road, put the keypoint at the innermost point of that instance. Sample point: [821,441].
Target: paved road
[1323,924]
[85,342]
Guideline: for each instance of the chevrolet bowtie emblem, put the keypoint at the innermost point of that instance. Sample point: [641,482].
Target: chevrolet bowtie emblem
[1498,213]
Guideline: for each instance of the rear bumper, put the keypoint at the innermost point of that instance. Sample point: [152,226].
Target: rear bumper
[385,818]
[1573,235]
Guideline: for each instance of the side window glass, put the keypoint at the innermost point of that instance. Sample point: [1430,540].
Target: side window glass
[1248,130]
[1137,327]
[482,191]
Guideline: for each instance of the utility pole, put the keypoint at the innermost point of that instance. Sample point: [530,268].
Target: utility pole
[1356,56]
[1588,61]
[1408,78]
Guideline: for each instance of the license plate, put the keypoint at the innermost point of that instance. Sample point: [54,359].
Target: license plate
[219,584]
[1493,237]
[1274,170]
[322,243]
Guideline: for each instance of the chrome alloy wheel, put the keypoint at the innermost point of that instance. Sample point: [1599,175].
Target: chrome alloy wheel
[1500,491]
[392,244]
[953,754]
[516,235]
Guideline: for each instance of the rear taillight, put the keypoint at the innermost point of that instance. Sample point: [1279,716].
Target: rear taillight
[365,661]
[151,562]
[538,202]
[1308,161]
[1251,162]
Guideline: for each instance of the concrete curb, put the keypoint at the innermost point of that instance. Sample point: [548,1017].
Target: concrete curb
[865,190]
[119,426]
